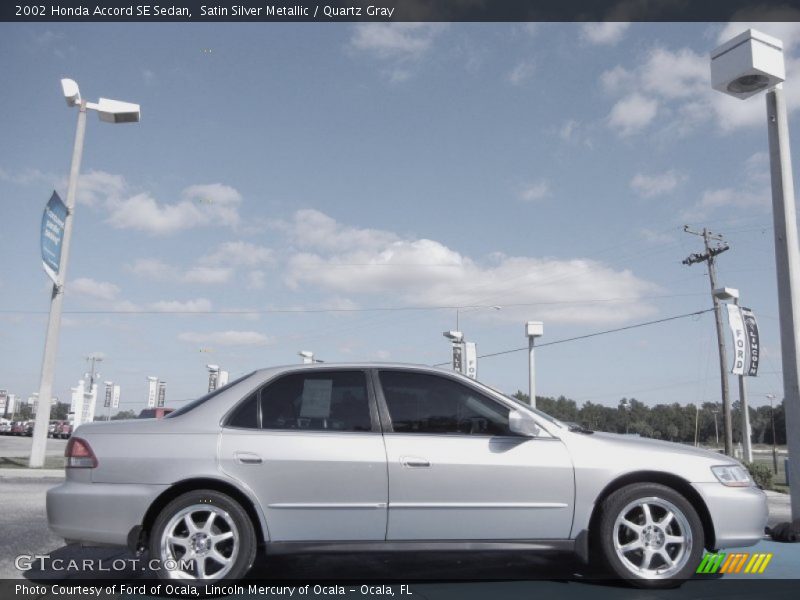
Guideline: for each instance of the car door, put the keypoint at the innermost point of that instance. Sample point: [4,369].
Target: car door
[456,472]
[308,444]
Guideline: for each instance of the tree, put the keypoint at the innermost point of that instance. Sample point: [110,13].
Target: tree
[124,414]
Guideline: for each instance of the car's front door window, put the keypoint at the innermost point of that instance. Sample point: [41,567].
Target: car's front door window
[425,403]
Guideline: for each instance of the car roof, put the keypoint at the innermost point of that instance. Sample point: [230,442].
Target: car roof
[322,366]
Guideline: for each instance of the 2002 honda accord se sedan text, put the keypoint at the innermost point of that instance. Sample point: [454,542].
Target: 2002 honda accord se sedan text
[390,456]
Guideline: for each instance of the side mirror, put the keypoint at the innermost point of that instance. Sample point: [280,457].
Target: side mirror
[523,424]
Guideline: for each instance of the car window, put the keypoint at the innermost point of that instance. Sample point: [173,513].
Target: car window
[325,401]
[195,403]
[246,414]
[425,403]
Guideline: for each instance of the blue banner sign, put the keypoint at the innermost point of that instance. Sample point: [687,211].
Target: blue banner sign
[53,220]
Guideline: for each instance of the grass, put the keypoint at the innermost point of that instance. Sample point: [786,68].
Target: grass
[21,462]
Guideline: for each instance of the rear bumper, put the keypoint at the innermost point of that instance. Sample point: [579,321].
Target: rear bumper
[101,513]
[739,514]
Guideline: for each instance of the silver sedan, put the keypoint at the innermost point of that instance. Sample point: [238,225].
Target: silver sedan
[393,457]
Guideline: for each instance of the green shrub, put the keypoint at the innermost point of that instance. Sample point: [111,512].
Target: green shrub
[761,474]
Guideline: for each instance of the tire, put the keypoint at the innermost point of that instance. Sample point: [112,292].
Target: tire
[635,521]
[223,548]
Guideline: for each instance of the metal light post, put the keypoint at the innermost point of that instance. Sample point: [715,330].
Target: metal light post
[533,329]
[771,397]
[744,66]
[111,111]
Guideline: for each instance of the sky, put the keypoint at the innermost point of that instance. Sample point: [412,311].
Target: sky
[351,184]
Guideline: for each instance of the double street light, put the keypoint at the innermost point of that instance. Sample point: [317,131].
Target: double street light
[750,63]
[110,111]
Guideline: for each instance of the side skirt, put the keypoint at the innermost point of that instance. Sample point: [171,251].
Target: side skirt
[421,546]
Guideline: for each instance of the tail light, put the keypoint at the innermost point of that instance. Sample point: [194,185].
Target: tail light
[79,454]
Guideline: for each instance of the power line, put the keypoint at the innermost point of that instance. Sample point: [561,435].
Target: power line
[595,334]
[338,310]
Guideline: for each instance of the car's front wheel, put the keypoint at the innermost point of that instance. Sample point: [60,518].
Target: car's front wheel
[203,535]
[650,535]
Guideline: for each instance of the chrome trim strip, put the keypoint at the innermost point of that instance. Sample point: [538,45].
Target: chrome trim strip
[327,505]
[477,505]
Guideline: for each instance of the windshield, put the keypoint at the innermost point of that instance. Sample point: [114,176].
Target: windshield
[195,403]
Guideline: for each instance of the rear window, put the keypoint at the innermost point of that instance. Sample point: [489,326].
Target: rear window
[195,403]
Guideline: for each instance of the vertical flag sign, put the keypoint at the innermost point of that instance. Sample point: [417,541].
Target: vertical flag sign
[471,360]
[109,394]
[753,349]
[162,392]
[115,397]
[458,357]
[53,220]
[152,387]
[739,346]
[213,375]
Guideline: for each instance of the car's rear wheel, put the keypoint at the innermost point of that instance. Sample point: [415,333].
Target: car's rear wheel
[203,535]
[650,535]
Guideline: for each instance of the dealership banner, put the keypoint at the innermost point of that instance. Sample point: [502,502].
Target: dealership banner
[52,234]
[115,397]
[753,344]
[458,357]
[109,395]
[471,360]
[152,390]
[162,392]
[739,345]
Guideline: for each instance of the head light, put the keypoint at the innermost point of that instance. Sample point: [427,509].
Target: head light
[732,475]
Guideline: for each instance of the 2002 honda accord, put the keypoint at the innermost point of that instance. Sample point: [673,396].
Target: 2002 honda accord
[390,456]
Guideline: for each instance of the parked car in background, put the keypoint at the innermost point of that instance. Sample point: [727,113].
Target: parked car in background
[62,430]
[5,427]
[393,457]
[29,428]
[155,413]
[18,428]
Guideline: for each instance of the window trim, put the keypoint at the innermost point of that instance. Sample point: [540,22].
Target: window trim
[375,423]
[386,418]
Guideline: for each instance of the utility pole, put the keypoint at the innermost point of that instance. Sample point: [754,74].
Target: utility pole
[708,258]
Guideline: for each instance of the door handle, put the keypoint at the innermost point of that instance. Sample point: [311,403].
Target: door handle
[247,458]
[415,462]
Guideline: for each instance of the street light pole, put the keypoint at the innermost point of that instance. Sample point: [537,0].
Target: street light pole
[750,63]
[533,329]
[787,259]
[110,111]
[39,443]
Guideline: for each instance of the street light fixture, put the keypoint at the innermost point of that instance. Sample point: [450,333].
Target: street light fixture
[110,111]
[307,356]
[743,66]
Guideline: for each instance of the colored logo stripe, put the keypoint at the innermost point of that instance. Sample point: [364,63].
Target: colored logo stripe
[734,563]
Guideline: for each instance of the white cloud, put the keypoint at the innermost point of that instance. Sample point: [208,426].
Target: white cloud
[426,272]
[26,177]
[655,237]
[239,253]
[207,275]
[649,186]
[256,280]
[212,204]
[394,40]
[96,187]
[189,306]
[400,46]
[153,268]
[606,34]
[100,290]
[751,193]
[227,338]
[535,191]
[522,72]
[315,230]
[632,114]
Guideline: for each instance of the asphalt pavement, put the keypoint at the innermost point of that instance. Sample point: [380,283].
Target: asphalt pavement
[16,446]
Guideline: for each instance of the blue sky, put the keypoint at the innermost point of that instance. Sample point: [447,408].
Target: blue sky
[544,168]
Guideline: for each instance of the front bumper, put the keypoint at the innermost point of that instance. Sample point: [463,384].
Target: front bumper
[100,513]
[739,514]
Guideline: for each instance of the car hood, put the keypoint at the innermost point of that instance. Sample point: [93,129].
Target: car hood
[638,444]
